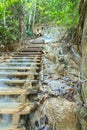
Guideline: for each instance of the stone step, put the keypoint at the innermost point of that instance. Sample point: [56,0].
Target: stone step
[25,60]
[12,91]
[7,108]
[15,84]
[27,56]
[24,63]
[18,82]
[31,49]
[28,53]
[18,68]
[30,76]
[19,108]
[35,46]
[17,73]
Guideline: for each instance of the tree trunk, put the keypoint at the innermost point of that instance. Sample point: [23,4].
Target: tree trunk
[22,29]
[4,14]
[30,18]
[34,13]
[84,55]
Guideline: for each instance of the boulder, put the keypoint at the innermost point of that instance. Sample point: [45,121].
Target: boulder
[62,114]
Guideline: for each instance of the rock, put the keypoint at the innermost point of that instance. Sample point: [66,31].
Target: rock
[59,87]
[38,40]
[73,72]
[61,59]
[42,124]
[83,117]
[60,51]
[47,48]
[83,125]
[55,76]
[22,98]
[52,69]
[61,114]
[61,70]
[21,123]
[27,85]
[64,59]
[51,57]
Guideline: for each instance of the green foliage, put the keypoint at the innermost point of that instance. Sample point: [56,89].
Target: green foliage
[10,11]
[63,12]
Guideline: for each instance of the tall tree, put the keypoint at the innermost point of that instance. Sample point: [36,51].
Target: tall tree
[34,12]
[83,14]
[22,22]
